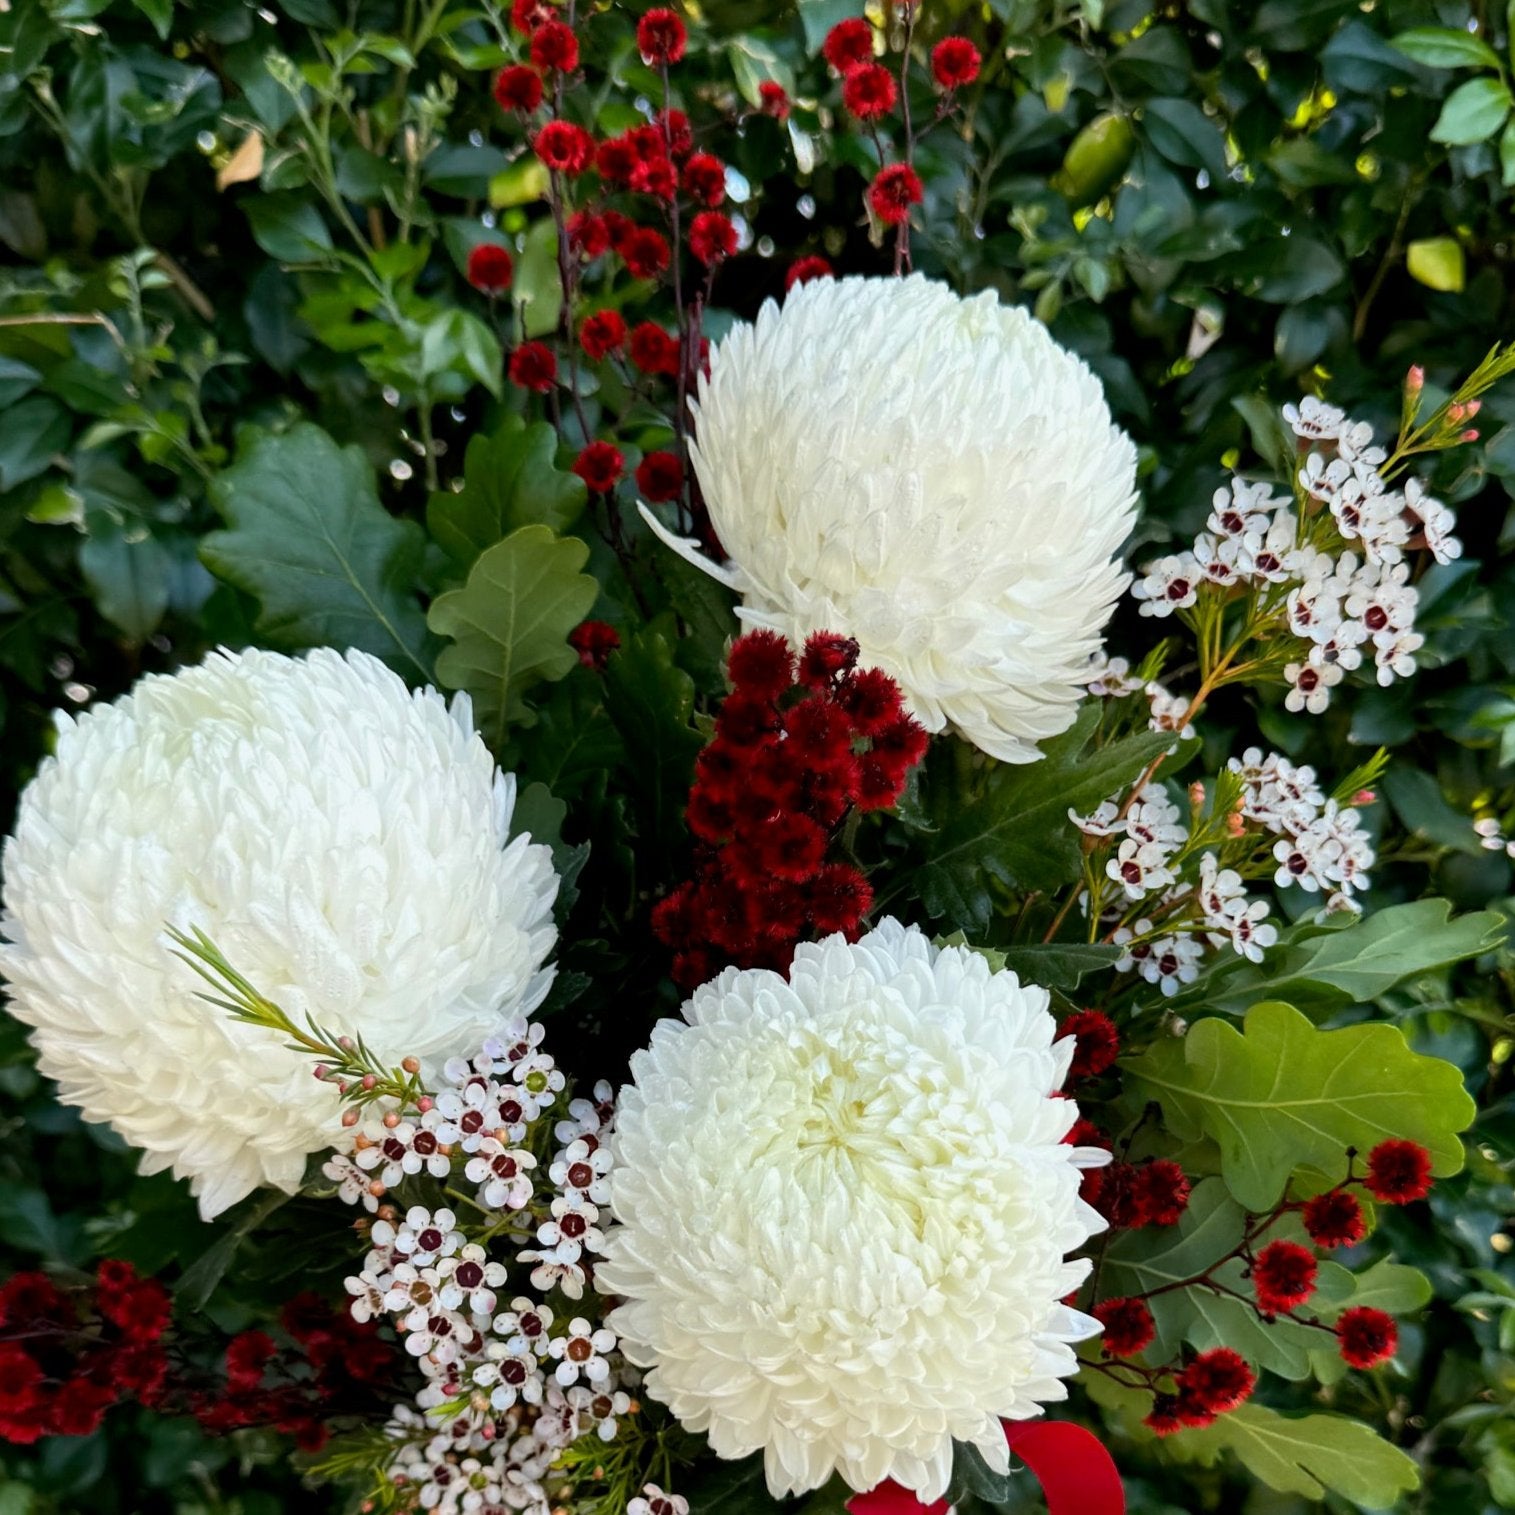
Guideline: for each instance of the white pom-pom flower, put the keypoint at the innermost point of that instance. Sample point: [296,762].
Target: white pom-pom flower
[933,476]
[845,1207]
[346,843]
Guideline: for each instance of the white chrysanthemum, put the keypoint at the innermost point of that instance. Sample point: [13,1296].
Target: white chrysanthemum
[931,475]
[845,1210]
[345,843]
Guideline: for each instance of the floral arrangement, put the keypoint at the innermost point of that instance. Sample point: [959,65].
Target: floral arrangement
[977,1031]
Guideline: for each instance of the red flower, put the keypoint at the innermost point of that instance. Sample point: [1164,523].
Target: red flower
[554,48]
[563,146]
[712,237]
[518,88]
[602,334]
[653,350]
[616,159]
[848,43]
[645,253]
[1366,1337]
[656,177]
[1215,1382]
[527,15]
[661,37]
[1334,1219]
[247,1358]
[803,270]
[1128,1324]
[760,664]
[660,477]
[1398,1172]
[826,655]
[533,366]
[705,178]
[490,267]
[20,1377]
[775,102]
[839,897]
[893,191]
[588,235]
[955,62]
[79,1408]
[868,91]
[1098,1042]
[594,641]
[29,1297]
[600,465]
[1164,1191]
[672,131]
[1283,1276]
[872,699]
[1163,1418]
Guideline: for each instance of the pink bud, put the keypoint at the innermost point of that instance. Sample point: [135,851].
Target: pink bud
[367,1081]
[1470,435]
[425,1103]
[342,1087]
[391,1120]
[321,1070]
[349,1118]
[1364,797]
[1415,380]
[346,1043]
[1472,408]
[1196,794]
[1456,412]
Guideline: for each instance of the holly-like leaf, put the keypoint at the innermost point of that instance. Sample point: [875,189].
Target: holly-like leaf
[1017,831]
[309,540]
[1306,1455]
[1280,1095]
[510,480]
[1322,968]
[509,624]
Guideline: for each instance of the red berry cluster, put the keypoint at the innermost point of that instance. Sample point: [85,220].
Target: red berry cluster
[1208,1386]
[1154,1192]
[798,747]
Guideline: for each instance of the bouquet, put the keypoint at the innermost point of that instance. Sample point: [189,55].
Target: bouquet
[764,953]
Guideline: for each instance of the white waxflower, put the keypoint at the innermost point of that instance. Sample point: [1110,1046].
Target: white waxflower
[933,476]
[344,841]
[845,1210]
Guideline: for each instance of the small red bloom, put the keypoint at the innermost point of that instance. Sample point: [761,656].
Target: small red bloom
[1097,1042]
[825,656]
[803,270]
[839,898]
[247,1358]
[602,334]
[705,179]
[79,1407]
[656,177]
[660,477]
[518,88]
[673,133]
[868,91]
[653,350]
[661,37]
[1334,1219]
[791,847]
[588,235]
[1398,1172]
[1366,1337]
[533,366]
[594,641]
[645,253]
[1128,1324]
[955,62]
[616,159]
[490,267]
[563,146]
[761,664]
[848,43]
[712,237]
[600,465]
[554,48]
[775,102]
[1216,1381]
[1163,1419]
[1164,1191]
[871,698]
[1283,1276]
[20,1377]
[901,746]
[893,191]
[29,1297]
[527,15]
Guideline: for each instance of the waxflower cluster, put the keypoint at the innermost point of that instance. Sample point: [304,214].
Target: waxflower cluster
[1280,1276]
[801,745]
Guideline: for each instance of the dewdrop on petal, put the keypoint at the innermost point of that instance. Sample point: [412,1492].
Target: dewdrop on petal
[845,1205]
[344,841]
[933,476]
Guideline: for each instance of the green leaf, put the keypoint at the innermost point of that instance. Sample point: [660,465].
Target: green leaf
[1444,47]
[288,227]
[1307,1455]
[31,433]
[708,609]
[198,1281]
[160,13]
[510,480]
[310,541]
[1507,154]
[1058,965]
[128,577]
[509,624]
[1280,1095]
[1473,112]
[1017,832]
[1436,262]
[1322,968]
[1184,134]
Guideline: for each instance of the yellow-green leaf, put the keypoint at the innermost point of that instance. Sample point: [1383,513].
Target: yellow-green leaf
[1436,262]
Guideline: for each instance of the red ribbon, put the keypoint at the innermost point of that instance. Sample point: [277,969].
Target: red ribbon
[1077,1474]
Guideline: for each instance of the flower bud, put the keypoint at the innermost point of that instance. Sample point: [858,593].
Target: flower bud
[1364,797]
[1415,380]
[1196,794]
[391,1120]
[368,1081]
[349,1118]
[425,1103]
[411,1064]
[1470,435]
